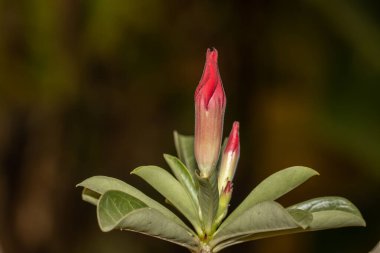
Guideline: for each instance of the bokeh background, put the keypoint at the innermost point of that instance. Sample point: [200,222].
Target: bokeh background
[97,87]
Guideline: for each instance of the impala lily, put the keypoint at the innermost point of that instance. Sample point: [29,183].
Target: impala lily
[203,198]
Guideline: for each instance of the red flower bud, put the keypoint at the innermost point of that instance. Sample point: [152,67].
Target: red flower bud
[230,158]
[210,104]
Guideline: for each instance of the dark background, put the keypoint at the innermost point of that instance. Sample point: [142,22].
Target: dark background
[97,87]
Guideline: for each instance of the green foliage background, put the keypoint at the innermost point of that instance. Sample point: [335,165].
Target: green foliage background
[96,87]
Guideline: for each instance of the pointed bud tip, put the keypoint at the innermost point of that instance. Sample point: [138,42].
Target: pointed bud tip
[233,144]
[212,55]
[210,84]
[235,126]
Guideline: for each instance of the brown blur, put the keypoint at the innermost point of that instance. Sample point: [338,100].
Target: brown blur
[97,87]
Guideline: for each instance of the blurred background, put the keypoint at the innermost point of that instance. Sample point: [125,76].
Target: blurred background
[97,87]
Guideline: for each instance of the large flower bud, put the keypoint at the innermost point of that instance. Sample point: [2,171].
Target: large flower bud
[210,104]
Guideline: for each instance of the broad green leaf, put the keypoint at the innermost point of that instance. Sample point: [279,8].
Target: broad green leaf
[95,186]
[331,212]
[209,200]
[184,176]
[118,210]
[256,236]
[272,188]
[185,149]
[170,188]
[262,217]
[326,212]
[113,206]
[301,218]
[335,219]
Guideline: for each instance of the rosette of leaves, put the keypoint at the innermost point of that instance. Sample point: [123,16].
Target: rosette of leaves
[121,206]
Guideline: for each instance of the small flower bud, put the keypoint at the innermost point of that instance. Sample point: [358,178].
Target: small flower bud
[210,104]
[230,159]
[224,202]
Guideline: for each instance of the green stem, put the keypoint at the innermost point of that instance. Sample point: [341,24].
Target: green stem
[205,248]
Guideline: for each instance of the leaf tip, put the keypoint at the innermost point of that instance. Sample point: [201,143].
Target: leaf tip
[362,222]
[311,172]
[167,156]
[136,170]
[82,184]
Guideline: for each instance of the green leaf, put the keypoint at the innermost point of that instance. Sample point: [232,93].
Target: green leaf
[272,188]
[170,188]
[257,236]
[185,149]
[331,212]
[267,216]
[209,200]
[90,196]
[118,210]
[184,176]
[303,218]
[326,212]
[95,186]
[113,206]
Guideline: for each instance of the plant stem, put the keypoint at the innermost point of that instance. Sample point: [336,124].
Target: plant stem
[203,249]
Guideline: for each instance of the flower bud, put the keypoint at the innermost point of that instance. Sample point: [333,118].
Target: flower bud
[210,104]
[230,159]
[224,202]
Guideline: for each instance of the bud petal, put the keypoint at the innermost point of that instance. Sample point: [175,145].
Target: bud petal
[210,104]
[230,159]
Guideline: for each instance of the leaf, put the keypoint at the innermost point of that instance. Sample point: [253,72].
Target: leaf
[267,216]
[326,212]
[257,236]
[376,249]
[118,210]
[113,206]
[90,196]
[95,186]
[184,176]
[209,200]
[327,203]
[272,188]
[170,188]
[331,212]
[185,149]
[303,218]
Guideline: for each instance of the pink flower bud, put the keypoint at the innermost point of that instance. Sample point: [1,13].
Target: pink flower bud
[210,104]
[224,202]
[230,159]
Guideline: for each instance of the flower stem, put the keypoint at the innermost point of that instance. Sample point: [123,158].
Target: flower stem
[203,249]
